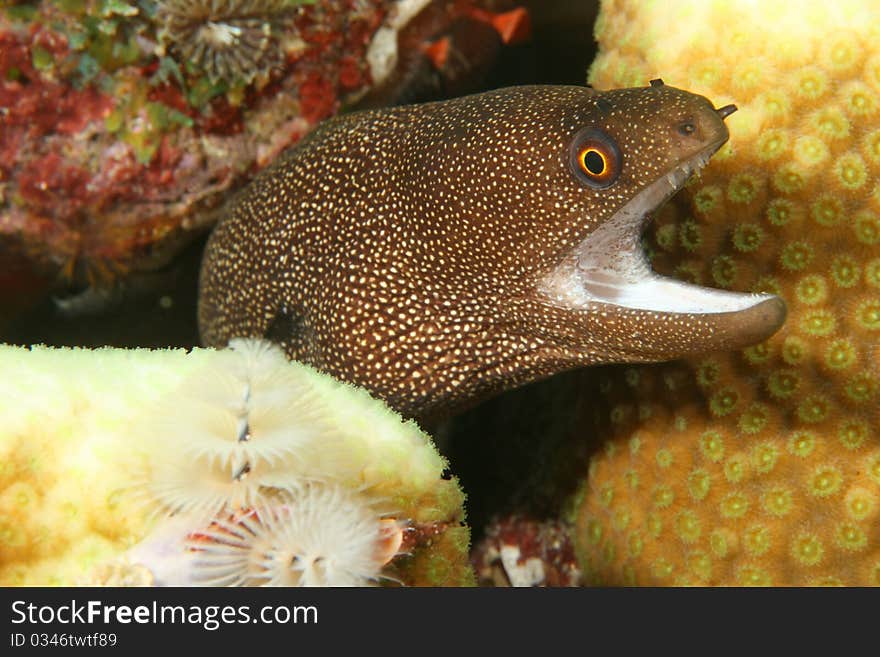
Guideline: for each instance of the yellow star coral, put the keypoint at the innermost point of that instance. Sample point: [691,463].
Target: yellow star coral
[763,466]
[93,444]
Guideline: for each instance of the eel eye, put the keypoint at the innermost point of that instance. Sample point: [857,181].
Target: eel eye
[595,158]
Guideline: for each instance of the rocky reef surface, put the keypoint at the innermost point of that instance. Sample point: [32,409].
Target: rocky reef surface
[127,124]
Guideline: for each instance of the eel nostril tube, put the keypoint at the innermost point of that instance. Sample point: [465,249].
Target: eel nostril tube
[726,111]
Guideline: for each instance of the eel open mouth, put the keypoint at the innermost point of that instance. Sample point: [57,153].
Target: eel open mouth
[610,266]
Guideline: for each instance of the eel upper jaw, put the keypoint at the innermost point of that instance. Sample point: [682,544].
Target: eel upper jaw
[609,270]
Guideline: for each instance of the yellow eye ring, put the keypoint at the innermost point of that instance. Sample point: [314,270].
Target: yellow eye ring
[593,161]
[595,158]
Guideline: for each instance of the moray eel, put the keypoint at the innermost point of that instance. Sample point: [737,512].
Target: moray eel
[438,254]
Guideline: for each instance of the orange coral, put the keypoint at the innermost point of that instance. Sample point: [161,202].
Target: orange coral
[763,466]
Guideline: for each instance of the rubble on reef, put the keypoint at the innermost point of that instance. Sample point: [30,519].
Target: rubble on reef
[518,551]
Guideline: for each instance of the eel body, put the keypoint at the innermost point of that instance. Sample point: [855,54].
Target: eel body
[438,254]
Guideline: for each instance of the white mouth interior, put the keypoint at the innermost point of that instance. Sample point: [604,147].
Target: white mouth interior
[610,266]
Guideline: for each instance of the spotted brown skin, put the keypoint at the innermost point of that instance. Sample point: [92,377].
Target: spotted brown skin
[438,254]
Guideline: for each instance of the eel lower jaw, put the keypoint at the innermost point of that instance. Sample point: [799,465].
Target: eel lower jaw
[609,272]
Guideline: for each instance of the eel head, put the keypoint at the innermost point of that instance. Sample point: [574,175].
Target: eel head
[639,148]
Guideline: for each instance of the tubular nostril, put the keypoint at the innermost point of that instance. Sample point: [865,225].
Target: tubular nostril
[726,111]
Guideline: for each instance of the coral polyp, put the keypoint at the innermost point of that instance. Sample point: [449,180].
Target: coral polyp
[229,40]
[323,536]
[769,450]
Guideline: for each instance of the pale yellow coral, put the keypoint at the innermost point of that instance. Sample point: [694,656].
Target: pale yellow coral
[759,467]
[91,441]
